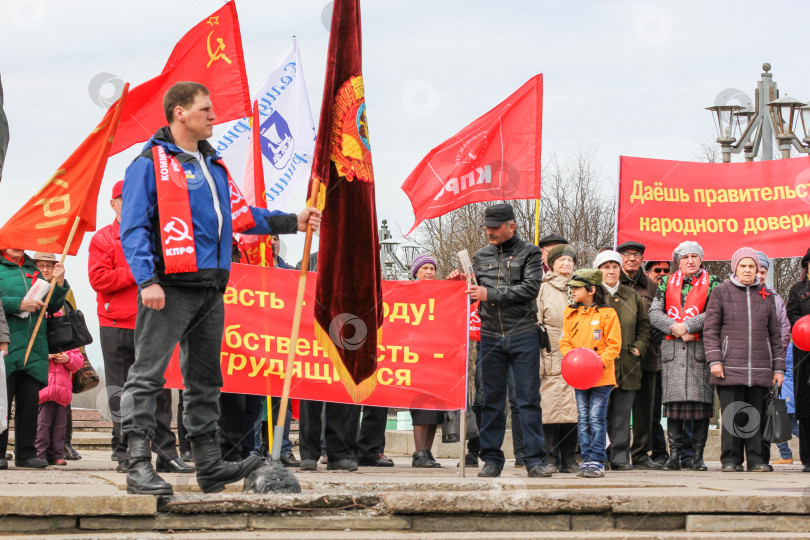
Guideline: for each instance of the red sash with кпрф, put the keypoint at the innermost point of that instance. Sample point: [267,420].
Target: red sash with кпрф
[176,228]
[695,299]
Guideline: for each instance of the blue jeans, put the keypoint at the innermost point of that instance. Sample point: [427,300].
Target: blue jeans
[784,449]
[592,408]
[522,353]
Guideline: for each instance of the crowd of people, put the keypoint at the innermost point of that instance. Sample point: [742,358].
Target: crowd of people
[668,334]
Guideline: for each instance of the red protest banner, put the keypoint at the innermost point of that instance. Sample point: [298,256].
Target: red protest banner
[421,362]
[722,206]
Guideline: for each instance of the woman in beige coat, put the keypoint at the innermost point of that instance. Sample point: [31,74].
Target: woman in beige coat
[557,398]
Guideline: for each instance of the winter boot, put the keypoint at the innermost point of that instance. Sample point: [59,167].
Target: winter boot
[700,433]
[141,477]
[212,472]
[675,437]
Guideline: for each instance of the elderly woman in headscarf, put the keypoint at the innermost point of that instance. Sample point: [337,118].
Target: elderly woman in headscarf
[557,399]
[424,421]
[679,311]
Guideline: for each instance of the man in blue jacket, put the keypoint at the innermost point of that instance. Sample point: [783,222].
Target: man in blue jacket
[177,221]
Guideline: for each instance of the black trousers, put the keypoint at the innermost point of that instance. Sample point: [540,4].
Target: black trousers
[741,424]
[659,439]
[23,388]
[69,426]
[620,406]
[643,405]
[118,350]
[804,441]
[371,439]
[239,414]
[182,440]
[340,424]
[561,443]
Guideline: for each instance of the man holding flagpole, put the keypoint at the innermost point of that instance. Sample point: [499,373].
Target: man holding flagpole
[179,212]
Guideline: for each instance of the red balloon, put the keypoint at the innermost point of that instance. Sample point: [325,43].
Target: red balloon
[582,368]
[801,333]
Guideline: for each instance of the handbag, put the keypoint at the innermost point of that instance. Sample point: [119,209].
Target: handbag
[451,427]
[545,342]
[86,378]
[777,422]
[67,332]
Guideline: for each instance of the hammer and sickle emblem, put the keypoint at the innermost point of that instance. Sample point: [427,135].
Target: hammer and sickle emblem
[181,234]
[216,54]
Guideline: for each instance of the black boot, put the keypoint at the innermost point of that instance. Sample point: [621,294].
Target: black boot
[212,472]
[700,433]
[141,477]
[675,437]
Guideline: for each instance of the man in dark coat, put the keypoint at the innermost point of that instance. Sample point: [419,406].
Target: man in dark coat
[798,305]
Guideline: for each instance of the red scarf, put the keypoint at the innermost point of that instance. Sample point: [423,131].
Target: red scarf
[695,298]
[176,227]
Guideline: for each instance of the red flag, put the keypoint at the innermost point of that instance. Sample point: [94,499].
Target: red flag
[45,221]
[210,54]
[348,312]
[495,158]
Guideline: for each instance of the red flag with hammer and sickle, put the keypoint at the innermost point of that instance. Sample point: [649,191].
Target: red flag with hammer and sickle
[210,54]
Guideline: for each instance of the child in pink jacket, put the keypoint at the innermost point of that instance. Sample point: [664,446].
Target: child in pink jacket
[53,400]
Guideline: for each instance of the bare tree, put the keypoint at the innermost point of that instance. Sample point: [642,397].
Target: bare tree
[576,203]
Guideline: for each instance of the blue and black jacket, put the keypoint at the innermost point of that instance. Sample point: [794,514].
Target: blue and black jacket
[140,223]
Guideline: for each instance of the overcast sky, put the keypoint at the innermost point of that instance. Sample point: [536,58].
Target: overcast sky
[626,77]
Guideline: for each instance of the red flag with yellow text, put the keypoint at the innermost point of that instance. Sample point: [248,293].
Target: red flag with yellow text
[45,221]
[349,311]
[495,158]
[210,54]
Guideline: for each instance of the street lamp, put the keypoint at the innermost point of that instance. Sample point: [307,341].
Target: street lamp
[772,118]
[392,266]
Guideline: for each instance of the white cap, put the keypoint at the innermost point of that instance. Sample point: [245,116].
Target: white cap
[605,256]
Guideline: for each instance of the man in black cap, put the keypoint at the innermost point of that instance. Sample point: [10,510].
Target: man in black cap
[508,272]
[546,243]
[632,275]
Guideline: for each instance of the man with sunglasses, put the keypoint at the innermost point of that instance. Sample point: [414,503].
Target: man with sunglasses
[657,271]
[632,275]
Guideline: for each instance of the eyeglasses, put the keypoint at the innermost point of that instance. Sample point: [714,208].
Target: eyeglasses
[631,255]
[660,271]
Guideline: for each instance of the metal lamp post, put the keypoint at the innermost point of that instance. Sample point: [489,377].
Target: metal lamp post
[392,266]
[772,118]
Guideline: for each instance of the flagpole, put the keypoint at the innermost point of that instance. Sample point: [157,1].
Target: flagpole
[299,308]
[100,164]
[537,222]
[50,292]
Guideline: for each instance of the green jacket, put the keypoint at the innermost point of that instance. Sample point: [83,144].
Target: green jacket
[635,333]
[13,286]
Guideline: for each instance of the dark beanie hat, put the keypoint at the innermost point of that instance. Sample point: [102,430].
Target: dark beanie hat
[558,251]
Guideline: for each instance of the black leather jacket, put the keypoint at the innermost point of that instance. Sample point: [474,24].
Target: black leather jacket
[512,273]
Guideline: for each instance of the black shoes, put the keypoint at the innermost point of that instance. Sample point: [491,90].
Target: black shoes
[471,460]
[519,463]
[71,453]
[380,461]
[489,471]
[806,468]
[342,465]
[309,465]
[141,477]
[176,465]
[122,467]
[31,463]
[759,467]
[648,465]
[212,471]
[621,467]
[539,471]
[732,468]
[421,460]
[288,460]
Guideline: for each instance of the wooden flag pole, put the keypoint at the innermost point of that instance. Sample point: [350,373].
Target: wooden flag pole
[278,434]
[50,292]
[463,438]
[537,222]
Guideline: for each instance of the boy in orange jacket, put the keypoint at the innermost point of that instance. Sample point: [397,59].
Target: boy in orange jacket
[592,325]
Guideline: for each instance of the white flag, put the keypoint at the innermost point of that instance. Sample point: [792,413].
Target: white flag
[287,135]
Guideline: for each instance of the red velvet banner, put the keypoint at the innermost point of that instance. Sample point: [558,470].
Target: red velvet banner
[722,206]
[421,363]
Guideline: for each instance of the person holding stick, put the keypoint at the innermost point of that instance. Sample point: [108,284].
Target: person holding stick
[508,274]
[180,209]
[25,378]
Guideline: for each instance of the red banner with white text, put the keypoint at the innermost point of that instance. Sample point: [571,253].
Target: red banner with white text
[722,206]
[421,362]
